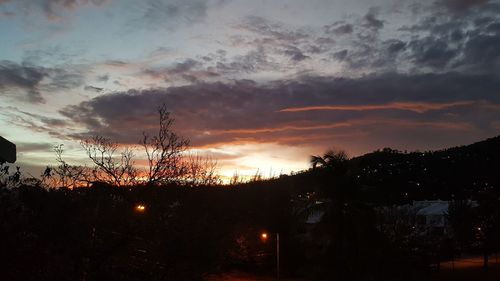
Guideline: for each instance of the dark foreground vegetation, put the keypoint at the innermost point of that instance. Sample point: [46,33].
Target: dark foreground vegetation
[182,232]
[98,233]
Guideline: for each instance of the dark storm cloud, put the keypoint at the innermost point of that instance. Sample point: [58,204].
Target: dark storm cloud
[93,89]
[24,147]
[461,5]
[321,45]
[36,122]
[159,12]
[482,49]
[171,14]
[454,45]
[178,68]
[434,52]
[295,54]
[273,30]
[34,96]
[363,56]
[340,55]
[367,29]
[12,74]
[6,14]
[50,55]
[103,78]
[299,111]
[275,38]
[371,21]
[116,63]
[48,121]
[253,61]
[184,66]
[439,42]
[301,43]
[22,77]
[52,9]
[188,70]
[395,46]
[359,45]
[219,55]
[32,80]
[339,28]
[64,79]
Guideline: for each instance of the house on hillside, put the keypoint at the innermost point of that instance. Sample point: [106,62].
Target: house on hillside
[427,216]
[309,208]
[314,235]
[432,216]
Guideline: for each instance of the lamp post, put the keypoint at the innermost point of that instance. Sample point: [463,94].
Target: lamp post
[264,237]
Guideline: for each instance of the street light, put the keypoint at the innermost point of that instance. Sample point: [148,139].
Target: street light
[264,237]
[140,208]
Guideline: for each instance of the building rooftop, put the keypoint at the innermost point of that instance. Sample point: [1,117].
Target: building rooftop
[7,151]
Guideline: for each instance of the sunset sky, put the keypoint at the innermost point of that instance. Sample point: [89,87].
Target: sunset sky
[255,84]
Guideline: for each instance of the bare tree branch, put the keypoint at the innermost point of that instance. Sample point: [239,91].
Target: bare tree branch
[109,168]
[164,152]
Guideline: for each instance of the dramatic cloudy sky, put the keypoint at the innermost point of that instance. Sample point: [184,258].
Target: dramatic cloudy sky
[257,84]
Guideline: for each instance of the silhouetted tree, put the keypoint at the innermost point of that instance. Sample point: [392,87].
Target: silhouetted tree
[235,179]
[488,227]
[461,218]
[109,168]
[7,178]
[331,159]
[349,222]
[200,170]
[168,161]
[164,152]
[64,175]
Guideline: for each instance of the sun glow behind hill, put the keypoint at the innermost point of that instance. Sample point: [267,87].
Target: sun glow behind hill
[259,87]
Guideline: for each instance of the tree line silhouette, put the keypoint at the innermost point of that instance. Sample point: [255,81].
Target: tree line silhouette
[190,226]
[167,162]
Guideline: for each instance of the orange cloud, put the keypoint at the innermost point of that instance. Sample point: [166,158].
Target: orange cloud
[281,129]
[419,107]
[319,134]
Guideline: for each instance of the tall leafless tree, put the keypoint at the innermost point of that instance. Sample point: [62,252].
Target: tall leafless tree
[164,152]
[110,168]
[64,175]
[200,170]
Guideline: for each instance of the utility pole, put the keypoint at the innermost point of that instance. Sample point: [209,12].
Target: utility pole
[264,237]
[278,256]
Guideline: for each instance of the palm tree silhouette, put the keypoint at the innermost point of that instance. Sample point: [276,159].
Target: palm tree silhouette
[331,159]
[347,218]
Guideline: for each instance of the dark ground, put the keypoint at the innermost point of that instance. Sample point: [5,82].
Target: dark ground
[469,269]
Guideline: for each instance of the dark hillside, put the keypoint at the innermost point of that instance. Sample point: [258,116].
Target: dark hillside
[390,176]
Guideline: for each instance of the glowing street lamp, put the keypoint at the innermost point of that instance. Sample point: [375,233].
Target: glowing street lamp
[140,208]
[264,237]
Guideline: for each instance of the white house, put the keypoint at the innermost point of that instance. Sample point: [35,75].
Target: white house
[432,214]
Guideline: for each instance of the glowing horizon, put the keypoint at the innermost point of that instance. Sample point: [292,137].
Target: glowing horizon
[259,87]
